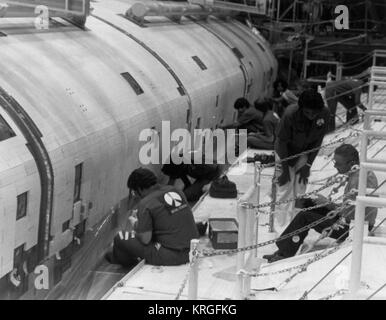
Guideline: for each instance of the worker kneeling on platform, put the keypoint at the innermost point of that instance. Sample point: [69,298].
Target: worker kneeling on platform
[163,228]
[345,158]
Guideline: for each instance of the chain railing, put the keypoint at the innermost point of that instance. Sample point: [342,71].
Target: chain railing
[193,260]
[306,293]
[326,232]
[331,215]
[338,179]
[340,140]
[338,293]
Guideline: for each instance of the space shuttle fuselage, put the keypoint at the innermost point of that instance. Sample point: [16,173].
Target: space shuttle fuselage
[72,104]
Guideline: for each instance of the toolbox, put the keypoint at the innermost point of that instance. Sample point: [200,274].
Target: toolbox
[223,233]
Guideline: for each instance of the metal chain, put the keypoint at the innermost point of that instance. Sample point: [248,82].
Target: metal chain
[349,240]
[340,292]
[341,179]
[185,281]
[340,140]
[303,266]
[297,212]
[311,208]
[330,215]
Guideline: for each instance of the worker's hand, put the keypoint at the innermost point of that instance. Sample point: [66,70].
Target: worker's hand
[340,224]
[284,177]
[206,188]
[319,200]
[304,173]
[133,220]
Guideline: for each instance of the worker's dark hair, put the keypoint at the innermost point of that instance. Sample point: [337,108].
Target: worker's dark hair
[263,106]
[283,83]
[311,99]
[141,179]
[348,151]
[241,103]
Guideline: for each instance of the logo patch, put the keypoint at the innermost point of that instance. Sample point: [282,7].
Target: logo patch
[295,239]
[320,122]
[173,199]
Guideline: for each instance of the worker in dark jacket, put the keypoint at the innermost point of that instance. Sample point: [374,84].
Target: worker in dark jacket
[248,118]
[346,156]
[203,174]
[301,128]
[264,140]
[164,225]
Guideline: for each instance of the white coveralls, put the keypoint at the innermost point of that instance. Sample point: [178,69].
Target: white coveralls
[284,213]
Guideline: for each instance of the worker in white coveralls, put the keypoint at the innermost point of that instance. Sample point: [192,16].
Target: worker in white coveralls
[302,127]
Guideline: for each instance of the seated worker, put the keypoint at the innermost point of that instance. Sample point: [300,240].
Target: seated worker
[345,157]
[164,228]
[202,173]
[266,139]
[301,128]
[248,117]
[348,93]
[283,97]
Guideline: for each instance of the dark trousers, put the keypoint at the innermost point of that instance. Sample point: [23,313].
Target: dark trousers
[260,142]
[348,101]
[194,191]
[290,246]
[127,252]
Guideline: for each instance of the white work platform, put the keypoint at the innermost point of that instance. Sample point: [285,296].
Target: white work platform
[217,275]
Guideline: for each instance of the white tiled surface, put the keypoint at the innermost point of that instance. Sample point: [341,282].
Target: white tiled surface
[70,85]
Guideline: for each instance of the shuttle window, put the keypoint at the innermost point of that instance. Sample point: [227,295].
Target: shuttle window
[199,62]
[78,181]
[133,83]
[198,123]
[261,47]
[237,53]
[181,91]
[217,98]
[66,226]
[188,116]
[18,255]
[6,131]
[22,200]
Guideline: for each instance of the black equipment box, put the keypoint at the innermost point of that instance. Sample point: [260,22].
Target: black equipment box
[223,233]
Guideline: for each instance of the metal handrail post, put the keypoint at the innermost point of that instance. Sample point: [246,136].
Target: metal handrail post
[193,275]
[258,190]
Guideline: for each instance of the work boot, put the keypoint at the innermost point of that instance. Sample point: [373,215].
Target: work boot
[362,107]
[276,256]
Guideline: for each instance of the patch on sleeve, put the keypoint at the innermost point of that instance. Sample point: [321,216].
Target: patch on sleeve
[173,201]
[320,122]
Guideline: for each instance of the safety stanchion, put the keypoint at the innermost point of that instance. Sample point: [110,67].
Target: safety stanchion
[257,182]
[193,274]
[242,217]
[247,220]
[271,215]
